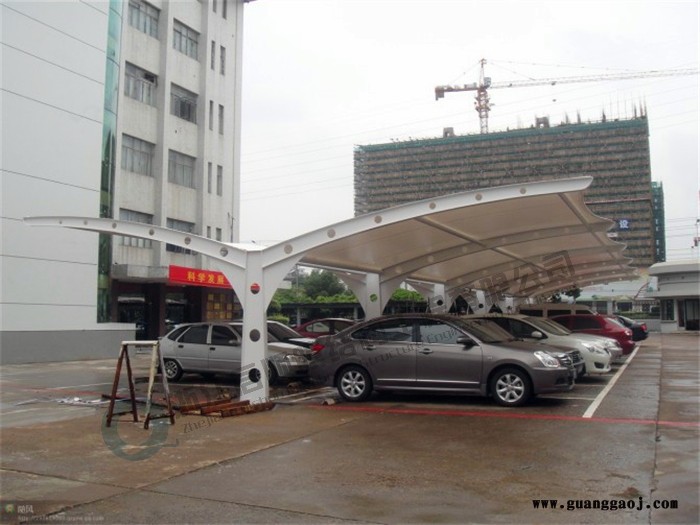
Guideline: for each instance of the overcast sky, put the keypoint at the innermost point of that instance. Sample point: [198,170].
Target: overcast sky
[321,76]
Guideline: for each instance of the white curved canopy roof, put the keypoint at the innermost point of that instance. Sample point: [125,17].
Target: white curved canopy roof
[526,239]
[520,240]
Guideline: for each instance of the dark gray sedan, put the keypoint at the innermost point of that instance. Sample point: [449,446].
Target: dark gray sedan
[438,353]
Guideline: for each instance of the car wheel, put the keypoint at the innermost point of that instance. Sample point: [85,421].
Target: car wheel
[272,375]
[511,387]
[354,383]
[173,370]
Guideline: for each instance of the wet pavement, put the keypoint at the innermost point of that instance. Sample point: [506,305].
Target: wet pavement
[393,459]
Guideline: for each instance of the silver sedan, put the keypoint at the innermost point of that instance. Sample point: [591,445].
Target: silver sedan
[215,348]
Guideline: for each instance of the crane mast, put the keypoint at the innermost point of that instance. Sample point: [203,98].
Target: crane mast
[482,102]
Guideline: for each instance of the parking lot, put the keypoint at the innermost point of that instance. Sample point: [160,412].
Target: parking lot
[625,439]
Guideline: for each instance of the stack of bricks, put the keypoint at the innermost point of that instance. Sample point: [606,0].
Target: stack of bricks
[225,408]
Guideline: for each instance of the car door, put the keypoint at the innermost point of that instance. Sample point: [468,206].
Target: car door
[192,350]
[224,350]
[388,350]
[442,362]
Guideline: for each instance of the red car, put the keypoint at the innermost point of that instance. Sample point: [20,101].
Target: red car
[598,325]
[319,327]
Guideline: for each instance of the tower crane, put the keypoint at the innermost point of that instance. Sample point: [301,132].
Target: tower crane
[483,106]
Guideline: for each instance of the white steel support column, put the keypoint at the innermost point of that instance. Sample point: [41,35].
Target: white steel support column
[372,293]
[435,294]
[254,379]
[367,290]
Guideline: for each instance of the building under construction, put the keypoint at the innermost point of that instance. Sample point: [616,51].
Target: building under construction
[615,153]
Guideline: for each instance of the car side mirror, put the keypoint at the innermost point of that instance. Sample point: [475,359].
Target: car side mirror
[235,342]
[467,342]
[537,335]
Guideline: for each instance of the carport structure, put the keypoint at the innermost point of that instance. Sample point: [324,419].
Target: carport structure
[520,240]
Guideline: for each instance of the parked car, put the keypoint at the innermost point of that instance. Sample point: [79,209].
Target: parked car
[213,348]
[596,324]
[552,309]
[639,330]
[438,353]
[608,343]
[326,326]
[590,357]
[280,332]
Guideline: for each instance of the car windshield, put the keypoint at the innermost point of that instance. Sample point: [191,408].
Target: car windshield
[281,331]
[486,331]
[548,326]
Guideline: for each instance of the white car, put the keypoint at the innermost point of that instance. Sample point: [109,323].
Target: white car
[596,356]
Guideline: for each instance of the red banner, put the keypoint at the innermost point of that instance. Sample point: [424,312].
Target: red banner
[197,277]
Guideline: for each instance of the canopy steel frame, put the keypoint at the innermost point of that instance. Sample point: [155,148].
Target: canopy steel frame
[432,243]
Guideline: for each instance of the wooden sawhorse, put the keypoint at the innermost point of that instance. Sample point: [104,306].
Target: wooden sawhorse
[156,359]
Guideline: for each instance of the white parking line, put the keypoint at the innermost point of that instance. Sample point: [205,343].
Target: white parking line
[598,400]
[565,398]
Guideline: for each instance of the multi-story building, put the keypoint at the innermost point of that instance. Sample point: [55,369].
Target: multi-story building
[614,153]
[121,109]
[178,154]
[657,205]
[56,57]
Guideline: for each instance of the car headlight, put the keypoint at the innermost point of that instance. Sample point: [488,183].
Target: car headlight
[546,359]
[595,349]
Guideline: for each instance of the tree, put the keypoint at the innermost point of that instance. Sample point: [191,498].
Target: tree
[573,292]
[401,294]
[321,282]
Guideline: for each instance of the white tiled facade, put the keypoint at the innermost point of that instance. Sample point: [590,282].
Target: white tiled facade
[172,103]
[178,137]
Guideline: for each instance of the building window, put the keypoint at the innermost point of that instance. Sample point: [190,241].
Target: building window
[213,5]
[221,119]
[182,226]
[183,103]
[181,169]
[668,309]
[135,216]
[140,85]
[222,60]
[211,115]
[208,232]
[185,40]
[137,155]
[224,8]
[219,180]
[144,17]
[213,56]
[218,234]
[209,170]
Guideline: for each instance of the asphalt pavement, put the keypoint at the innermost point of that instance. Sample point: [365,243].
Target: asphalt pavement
[610,451]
